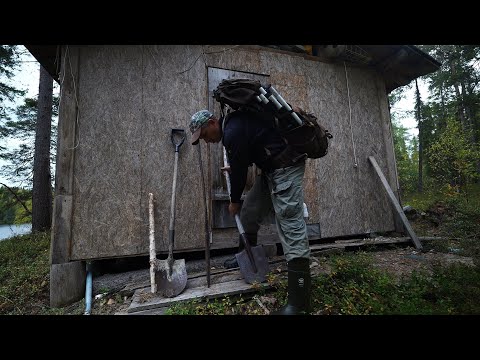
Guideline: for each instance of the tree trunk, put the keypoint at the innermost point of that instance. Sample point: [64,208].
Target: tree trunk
[458,96]
[443,117]
[418,106]
[420,163]
[42,187]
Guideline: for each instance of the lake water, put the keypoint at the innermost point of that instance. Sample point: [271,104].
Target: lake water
[7,231]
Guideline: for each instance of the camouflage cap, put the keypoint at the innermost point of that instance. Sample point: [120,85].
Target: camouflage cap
[198,120]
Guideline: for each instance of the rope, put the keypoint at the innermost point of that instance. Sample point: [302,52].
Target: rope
[350,110]
[203,53]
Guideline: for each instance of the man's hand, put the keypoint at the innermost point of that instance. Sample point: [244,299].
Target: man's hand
[226,168]
[233,208]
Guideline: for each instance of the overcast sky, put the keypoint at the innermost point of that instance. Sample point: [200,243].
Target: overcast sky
[27,77]
[407,105]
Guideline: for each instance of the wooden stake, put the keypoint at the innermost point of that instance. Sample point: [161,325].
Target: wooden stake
[396,204]
[153,255]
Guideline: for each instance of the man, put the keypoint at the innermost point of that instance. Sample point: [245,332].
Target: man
[251,138]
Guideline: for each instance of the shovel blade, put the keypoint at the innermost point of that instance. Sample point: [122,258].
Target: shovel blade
[171,285]
[246,268]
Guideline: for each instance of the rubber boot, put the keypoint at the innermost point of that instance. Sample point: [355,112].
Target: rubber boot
[232,262]
[299,287]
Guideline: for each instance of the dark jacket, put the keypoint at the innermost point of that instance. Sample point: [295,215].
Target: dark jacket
[249,138]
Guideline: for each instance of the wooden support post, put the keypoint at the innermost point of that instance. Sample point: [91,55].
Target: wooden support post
[396,204]
[61,242]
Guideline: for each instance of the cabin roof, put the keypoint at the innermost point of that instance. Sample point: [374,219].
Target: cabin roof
[398,64]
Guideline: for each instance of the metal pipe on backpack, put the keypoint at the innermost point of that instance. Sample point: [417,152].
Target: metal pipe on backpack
[271,98]
[284,103]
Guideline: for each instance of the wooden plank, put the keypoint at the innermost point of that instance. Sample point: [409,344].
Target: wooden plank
[338,195]
[314,248]
[343,244]
[61,229]
[215,279]
[67,283]
[108,159]
[193,281]
[143,299]
[66,144]
[157,311]
[389,145]
[67,141]
[395,203]
[167,99]
[358,243]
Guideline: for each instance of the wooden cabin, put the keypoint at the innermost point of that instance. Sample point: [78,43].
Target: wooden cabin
[118,105]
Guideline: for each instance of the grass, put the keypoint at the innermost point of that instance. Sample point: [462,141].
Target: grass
[25,276]
[24,273]
[455,216]
[355,287]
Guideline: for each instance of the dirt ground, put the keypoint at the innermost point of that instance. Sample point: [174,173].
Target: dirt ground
[403,261]
[400,261]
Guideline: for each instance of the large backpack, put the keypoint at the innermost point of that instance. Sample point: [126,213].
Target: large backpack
[309,138]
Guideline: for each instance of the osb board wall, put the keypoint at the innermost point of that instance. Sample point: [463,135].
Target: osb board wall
[130,97]
[372,211]
[345,199]
[350,200]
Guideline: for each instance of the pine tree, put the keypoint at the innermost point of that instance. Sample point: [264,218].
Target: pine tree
[418,117]
[42,182]
[455,89]
[9,61]
[19,160]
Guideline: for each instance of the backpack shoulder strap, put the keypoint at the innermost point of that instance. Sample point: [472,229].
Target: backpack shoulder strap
[225,119]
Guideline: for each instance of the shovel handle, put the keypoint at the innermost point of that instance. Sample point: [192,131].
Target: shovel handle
[177,137]
[237,217]
[174,188]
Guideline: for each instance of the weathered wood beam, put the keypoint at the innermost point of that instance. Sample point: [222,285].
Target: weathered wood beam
[144,300]
[395,203]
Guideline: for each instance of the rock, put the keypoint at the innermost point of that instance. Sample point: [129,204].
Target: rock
[410,212]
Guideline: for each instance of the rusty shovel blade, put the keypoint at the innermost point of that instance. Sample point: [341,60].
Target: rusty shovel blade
[247,269]
[171,280]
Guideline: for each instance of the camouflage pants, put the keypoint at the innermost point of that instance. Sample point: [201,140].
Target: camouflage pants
[279,192]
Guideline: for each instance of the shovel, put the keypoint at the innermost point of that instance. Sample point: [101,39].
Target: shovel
[252,261]
[171,275]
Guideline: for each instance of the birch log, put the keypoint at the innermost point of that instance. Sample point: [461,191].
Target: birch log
[153,255]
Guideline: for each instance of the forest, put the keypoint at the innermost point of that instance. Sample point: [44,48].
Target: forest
[444,158]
